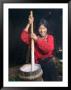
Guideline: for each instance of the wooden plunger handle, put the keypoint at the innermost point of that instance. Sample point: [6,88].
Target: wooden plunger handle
[32,45]
[31,15]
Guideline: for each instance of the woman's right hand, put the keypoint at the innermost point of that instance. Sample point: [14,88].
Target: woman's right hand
[31,19]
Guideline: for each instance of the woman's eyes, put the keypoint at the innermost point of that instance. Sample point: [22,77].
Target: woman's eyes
[42,28]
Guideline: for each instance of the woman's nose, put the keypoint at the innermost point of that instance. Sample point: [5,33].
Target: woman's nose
[42,30]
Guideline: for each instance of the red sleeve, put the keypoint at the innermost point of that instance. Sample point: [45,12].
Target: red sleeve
[46,45]
[25,37]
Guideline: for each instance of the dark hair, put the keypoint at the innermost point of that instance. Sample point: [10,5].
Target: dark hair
[44,22]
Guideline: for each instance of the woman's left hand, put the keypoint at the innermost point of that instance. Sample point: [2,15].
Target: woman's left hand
[34,36]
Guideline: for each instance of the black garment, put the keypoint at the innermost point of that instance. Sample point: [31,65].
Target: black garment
[49,70]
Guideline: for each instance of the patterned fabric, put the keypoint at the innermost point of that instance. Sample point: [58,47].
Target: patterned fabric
[49,70]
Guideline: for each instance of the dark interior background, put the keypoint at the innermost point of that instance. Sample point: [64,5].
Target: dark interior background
[18,19]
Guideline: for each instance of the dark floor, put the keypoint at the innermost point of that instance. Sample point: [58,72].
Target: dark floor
[14,72]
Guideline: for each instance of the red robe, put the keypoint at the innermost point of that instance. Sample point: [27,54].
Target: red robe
[43,47]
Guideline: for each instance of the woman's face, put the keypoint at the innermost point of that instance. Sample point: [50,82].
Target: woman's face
[42,30]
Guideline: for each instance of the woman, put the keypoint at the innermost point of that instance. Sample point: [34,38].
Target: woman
[44,47]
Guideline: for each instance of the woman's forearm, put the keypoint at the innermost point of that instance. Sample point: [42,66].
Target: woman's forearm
[27,27]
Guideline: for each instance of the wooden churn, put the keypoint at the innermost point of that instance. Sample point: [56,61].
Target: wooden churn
[31,72]
[26,74]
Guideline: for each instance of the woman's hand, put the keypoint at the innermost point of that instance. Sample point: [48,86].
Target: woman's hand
[31,19]
[34,36]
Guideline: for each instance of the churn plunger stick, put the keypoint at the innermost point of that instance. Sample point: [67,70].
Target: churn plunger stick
[32,46]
